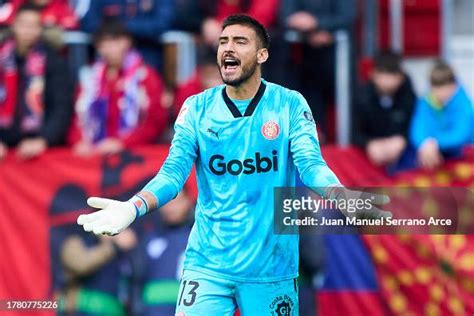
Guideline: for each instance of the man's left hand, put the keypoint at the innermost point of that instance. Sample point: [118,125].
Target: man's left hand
[32,147]
[110,146]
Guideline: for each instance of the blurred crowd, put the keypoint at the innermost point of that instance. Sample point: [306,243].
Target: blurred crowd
[122,98]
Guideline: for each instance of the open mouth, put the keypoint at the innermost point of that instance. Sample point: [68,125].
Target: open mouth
[230,63]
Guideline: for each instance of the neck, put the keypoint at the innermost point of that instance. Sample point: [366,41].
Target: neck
[22,49]
[246,90]
[114,65]
[112,72]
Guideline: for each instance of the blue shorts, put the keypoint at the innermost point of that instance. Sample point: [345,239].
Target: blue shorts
[203,294]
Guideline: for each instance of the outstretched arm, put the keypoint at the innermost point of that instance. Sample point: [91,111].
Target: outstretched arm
[114,216]
[314,172]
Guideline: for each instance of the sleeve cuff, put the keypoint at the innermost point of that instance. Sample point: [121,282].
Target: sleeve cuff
[140,204]
[162,192]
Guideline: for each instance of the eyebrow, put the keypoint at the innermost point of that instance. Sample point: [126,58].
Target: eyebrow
[234,38]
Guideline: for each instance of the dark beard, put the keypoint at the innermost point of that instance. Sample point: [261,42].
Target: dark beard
[246,74]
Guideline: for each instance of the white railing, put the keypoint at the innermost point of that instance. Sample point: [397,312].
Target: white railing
[370,27]
[396,25]
[447,19]
[343,87]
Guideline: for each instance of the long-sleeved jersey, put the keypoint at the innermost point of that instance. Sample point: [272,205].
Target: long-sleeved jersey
[242,151]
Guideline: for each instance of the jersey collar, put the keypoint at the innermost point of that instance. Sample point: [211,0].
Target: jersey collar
[250,108]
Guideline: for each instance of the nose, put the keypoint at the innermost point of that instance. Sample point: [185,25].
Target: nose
[229,47]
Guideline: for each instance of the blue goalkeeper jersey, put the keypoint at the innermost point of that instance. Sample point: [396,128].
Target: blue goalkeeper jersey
[241,154]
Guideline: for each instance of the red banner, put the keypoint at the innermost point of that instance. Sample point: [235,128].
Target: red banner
[416,274]
[425,274]
[52,190]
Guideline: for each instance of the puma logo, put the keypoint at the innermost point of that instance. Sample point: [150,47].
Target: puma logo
[213,132]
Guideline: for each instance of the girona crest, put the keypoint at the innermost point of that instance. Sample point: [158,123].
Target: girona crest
[270,130]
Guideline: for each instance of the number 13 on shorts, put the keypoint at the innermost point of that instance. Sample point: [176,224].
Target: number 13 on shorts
[190,288]
[203,294]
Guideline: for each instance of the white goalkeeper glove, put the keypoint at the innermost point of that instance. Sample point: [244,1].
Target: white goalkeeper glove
[113,217]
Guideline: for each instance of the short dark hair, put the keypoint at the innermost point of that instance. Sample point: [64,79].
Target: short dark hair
[111,28]
[28,7]
[388,61]
[442,74]
[242,19]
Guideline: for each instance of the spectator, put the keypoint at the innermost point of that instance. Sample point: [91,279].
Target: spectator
[207,76]
[162,248]
[92,270]
[264,11]
[54,13]
[146,20]
[119,99]
[311,23]
[35,101]
[56,16]
[442,123]
[383,109]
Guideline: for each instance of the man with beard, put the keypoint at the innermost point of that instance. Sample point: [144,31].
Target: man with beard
[246,137]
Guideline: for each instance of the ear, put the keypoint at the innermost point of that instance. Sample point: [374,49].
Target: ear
[262,55]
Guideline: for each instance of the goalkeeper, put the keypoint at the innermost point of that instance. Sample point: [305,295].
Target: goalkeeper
[245,137]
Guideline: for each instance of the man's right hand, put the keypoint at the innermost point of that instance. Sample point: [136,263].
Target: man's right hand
[429,155]
[112,218]
[387,150]
[3,150]
[302,21]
